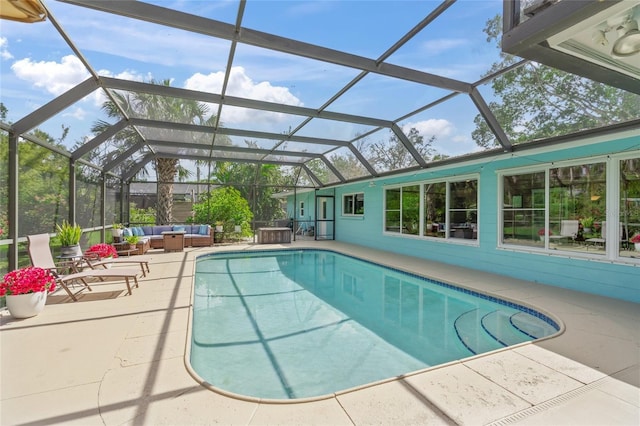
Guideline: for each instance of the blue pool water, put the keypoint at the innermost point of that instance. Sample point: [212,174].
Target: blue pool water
[292,324]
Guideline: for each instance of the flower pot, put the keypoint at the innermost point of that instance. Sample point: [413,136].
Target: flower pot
[541,238]
[637,246]
[26,305]
[219,228]
[70,252]
[117,232]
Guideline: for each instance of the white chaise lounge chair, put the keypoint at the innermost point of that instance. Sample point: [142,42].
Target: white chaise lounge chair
[568,230]
[40,255]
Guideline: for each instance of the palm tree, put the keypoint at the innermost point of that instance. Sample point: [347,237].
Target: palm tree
[161,108]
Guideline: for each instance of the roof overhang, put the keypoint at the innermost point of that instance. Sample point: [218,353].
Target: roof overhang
[576,36]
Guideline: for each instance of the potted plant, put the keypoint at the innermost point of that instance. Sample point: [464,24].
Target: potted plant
[636,241]
[542,231]
[132,240]
[69,238]
[117,230]
[26,289]
[587,224]
[102,251]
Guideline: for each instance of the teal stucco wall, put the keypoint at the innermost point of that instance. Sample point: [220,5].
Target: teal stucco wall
[614,279]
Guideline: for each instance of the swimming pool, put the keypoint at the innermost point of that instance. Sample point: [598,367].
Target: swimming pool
[288,324]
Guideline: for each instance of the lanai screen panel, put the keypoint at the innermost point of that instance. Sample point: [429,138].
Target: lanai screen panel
[385,152]
[446,128]
[569,105]
[251,68]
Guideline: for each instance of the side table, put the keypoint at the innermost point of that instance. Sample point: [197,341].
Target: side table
[173,240]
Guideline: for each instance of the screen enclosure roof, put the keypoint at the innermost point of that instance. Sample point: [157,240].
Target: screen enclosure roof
[334,91]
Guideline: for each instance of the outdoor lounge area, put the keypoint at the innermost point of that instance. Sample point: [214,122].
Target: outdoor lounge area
[301,192]
[130,365]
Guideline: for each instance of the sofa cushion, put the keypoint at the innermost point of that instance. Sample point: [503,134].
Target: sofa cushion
[203,230]
[137,231]
[126,232]
[148,230]
[158,230]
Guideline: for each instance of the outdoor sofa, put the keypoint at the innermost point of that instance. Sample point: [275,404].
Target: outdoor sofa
[151,236]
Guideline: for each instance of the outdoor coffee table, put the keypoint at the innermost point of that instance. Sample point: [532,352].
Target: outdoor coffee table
[173,240]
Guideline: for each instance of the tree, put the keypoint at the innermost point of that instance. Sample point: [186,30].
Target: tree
[535,101]
[161,108]
[392,155]
[255,183]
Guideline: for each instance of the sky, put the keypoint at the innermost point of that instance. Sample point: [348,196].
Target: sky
[37,64]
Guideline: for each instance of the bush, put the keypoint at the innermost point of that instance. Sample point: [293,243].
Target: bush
[226,206]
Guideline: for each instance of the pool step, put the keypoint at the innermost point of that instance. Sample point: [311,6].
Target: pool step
[472,335]
[499,326]
[483,332]
[532,326]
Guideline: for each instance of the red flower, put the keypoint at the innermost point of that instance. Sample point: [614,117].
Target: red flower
[102,250]
[635,239]
[27,280]
[541,232]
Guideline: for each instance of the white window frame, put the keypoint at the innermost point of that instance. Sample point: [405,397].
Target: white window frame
[353,197]
[612,163]
[422,183]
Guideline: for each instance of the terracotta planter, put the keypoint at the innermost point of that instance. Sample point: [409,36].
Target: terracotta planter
[26,305]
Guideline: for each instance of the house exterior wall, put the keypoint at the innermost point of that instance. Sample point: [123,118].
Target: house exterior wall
[599,276]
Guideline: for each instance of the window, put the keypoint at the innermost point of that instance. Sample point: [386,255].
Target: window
[629,202]
[353,204]
[523,208]
[463,209]
[301,208]
[598,198]
[402,210]
[437,206]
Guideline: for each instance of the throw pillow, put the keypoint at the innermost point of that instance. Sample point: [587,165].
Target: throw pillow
[127,232]
[178,228]
[204,230]
[140,231]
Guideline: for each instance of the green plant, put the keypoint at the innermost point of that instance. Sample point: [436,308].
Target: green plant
[587,222]
[118,226]
[68,235]
[132,239]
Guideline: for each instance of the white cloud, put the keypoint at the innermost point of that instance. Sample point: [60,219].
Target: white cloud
[440,128]
[241,85]
[54,77]
[449,140]
[4,51]
[437,46]
[77,113]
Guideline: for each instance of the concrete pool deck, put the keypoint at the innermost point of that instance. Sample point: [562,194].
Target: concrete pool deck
[113,359]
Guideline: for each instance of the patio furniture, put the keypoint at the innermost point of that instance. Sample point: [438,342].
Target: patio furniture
[568,230]
[94,262]
[603,236]
[274,235]
[40,255]
[173,240]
